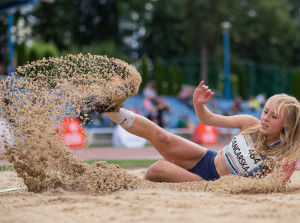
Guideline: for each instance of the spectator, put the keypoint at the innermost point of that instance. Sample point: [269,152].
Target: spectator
[237,105]
[253,104]
[161,107]
[261,98]
[184,122]
[149,108]
[213,106]
[186,96]
[149,91]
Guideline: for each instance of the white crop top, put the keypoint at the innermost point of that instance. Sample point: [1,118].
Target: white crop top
[241,158]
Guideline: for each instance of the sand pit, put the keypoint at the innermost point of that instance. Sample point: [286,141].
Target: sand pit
[147,205]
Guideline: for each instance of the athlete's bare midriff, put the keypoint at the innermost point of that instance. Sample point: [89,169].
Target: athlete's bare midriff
[221,165]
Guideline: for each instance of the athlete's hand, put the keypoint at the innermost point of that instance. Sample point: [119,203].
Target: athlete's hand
[202,94]
[287,169]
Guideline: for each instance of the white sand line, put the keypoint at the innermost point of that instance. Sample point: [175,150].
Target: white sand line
[10,189]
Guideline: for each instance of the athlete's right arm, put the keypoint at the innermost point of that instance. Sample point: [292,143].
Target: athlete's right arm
[201,96]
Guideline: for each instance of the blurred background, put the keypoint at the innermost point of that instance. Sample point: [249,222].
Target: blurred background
[245,50]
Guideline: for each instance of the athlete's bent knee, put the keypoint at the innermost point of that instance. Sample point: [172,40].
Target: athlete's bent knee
[164,137]
[156,171]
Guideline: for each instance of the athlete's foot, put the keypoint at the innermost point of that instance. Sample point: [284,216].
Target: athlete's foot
[101,104]
[112,102]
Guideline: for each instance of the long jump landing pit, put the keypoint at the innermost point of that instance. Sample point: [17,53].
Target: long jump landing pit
[165,203]
[56,186]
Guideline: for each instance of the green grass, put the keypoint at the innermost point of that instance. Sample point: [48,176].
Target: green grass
[125,164]
[128,164]
[6,168]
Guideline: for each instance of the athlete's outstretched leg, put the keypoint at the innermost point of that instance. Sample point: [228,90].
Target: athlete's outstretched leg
[174,149]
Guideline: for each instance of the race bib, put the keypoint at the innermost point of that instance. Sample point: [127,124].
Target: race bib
[241,158]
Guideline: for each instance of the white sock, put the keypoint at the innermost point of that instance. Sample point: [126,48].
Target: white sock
[124,117]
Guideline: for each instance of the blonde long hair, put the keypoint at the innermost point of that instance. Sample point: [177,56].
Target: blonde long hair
[289,148]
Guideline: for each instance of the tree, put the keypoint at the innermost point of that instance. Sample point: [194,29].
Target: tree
[164,31]
[21,54]
[144,73]
[202,27]
[159,75]
[79,22]
[264,31]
